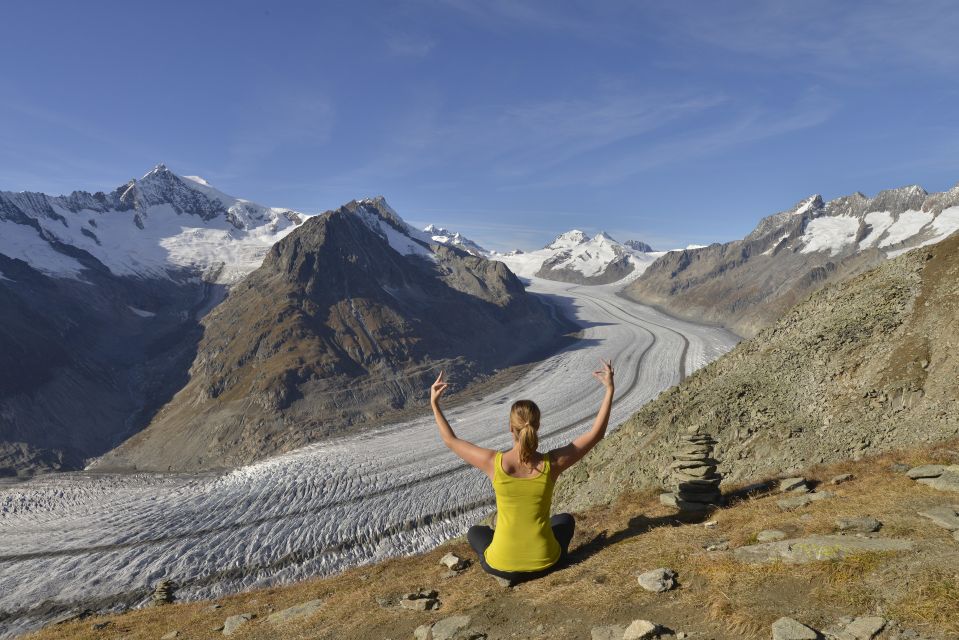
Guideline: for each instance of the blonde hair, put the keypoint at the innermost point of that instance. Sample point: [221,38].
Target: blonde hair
[524,422]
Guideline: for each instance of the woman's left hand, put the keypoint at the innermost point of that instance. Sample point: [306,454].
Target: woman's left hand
[437,389]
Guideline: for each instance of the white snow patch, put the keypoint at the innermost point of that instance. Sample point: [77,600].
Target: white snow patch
[943,225]
[907,225]
[829,233]
[400,242]
[24,243]
[198,180]
[879,222]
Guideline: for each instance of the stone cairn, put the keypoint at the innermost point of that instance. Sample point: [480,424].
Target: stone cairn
[163,592]
[693,473]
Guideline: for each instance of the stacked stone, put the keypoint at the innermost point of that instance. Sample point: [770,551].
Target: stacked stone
[163,592]
[693,471]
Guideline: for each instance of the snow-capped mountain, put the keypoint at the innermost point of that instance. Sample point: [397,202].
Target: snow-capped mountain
[454,238]
[345,323]
[574,256]
[746,284]
[158,226]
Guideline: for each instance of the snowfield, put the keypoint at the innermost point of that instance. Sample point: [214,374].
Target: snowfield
[102,541]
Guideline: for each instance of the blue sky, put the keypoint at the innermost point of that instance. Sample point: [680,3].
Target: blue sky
[510,121]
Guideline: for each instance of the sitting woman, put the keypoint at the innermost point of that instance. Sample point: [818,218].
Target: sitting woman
[527,542]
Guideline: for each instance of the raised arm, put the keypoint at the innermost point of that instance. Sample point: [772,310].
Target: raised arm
[566,456]
[479,457]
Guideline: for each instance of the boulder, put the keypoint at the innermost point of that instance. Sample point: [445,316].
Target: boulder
[231,624]
[864,628]
[842,477]
[862,524]
[793,484]
[641,630]
[171,635]
[789,629]
[948,481]
[770,535]
[817,547]
[454,562]
[795,502]
[658,580]
[303,610]
[608,632]
[926,471]
[945,516]
[450,628]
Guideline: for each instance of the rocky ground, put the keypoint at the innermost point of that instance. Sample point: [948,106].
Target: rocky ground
[865,365]
[875,555]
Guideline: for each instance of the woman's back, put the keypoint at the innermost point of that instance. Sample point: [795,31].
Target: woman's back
[523,539]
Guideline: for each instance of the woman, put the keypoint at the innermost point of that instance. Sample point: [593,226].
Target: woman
[527,543]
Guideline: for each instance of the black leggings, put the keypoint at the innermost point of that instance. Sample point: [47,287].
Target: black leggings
[480,536]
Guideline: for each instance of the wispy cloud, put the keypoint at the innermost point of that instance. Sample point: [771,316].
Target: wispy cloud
[409,45]
[829,37]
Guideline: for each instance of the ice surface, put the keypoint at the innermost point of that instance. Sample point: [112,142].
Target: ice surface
[393,490]
[829,233]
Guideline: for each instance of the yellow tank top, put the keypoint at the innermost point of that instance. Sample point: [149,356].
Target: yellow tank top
[523,539]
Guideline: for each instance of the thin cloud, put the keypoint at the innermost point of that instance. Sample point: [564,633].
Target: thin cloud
[406,45]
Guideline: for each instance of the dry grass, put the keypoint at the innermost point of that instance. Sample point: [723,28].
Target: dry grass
[718,597]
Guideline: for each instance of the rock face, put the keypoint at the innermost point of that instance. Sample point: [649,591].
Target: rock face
[747,284]
[101,295]
[347,321]
[864,365]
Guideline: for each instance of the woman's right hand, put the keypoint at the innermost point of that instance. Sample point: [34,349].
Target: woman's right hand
[605,375]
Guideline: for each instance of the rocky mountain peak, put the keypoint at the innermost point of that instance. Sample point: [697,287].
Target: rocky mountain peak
[638,245]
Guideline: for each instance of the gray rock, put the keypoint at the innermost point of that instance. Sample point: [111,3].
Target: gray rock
[948,481]
[795,502]
[668,499]
[842,477]
[641,630]
[303,610]
[817,547]
[864,628]
[945,516]
[231,624]
[503,582]
[792,484]
[863,524]
[608,632]
[926,471]
[454,562]
[450,628]
[789,629]
[821,495]
[770,535]
[658,580]
[172,635]
[422,632]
